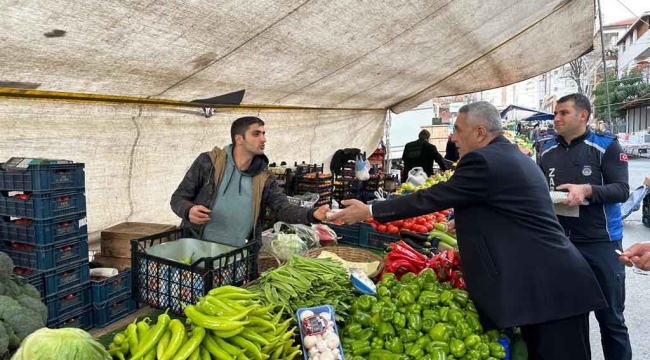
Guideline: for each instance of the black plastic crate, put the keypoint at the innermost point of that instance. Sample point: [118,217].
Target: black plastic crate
[348,233]
[113,309]
[374,239]
[646,205]
[43,206]
[68,301]
[646,220]
[42,177]
[46,257]
[82,319]
[163,283]
[66,277]
[112,287]
[43,232]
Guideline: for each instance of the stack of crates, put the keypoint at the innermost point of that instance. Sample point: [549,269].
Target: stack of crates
[112,298]
[43,228]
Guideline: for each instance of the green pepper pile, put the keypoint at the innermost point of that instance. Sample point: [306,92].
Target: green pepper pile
[227,324]
[417,318]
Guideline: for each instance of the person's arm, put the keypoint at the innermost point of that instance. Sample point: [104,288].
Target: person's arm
[615,177]
[288,212]
[439,159]
[183,198]
[466,187]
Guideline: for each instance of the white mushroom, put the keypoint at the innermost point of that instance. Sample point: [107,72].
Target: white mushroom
[321,345]
[305,314]
[326,316]
[310,342]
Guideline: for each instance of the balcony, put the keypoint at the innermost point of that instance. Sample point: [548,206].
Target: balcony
[638,51]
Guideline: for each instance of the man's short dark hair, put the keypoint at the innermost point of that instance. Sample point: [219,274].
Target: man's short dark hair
[580,102]
[240,126]
[424,135]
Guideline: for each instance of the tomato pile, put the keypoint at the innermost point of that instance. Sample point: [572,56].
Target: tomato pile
[420,224]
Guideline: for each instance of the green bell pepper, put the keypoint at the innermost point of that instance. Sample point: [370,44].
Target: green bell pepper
[388,304]
[439,333]
[472,341]
[492,358]
[423,341]
[414,321]
[358,357]
[454,305]
[427,324]
[470,306]
[438,345]
[385,329]
[378,343]
[353,330]
[361,347]
[450,328]
[434,314]
[365,302]
[378,354]
[457,347]
[408,335]
[485,338]
[408,278]
[429,276]
[430,287]
[362,318]
[444,313]
[446,296]
[414,289]
[415,351]
[438,354]
[399,320]
[497,350]
[472,355]
[493,334]
[483,350]
[406,297]
[376,308]
[462,330]
[460,296]
[394,345]
[428,298]
[414,308]
[456,316]
[366,334]
[444,286]
[420,282]
[474,324]
[426,357]
[383,291]
[388,279]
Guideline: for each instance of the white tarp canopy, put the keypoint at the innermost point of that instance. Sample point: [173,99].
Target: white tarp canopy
[361,56]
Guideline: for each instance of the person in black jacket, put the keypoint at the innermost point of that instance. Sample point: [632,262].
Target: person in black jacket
[592,166]
[520,268]
[421,153]
[451,152]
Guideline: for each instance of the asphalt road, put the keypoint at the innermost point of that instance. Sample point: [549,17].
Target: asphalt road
[637,314]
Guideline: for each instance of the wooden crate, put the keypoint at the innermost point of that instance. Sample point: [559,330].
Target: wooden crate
[116,240]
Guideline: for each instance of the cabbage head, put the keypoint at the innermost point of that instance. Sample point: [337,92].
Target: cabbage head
[58,344]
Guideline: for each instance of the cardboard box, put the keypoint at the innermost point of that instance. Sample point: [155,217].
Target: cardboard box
[647,181]
[116,240]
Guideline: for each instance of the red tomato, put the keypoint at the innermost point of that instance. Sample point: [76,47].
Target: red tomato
[440,219]
[381,228]
[445,212]
[392,229]
[399,223]
[429,226]
[374,226]
[407,225]
[369,220]
[419,228]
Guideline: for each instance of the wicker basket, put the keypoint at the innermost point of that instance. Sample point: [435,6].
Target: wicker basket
[267,261]
[351,254]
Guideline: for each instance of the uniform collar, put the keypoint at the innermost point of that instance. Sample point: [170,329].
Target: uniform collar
[577,140]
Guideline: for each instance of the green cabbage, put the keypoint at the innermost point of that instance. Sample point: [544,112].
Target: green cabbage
[56,344]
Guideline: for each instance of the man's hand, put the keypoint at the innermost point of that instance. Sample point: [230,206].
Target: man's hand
[638,253]
[321,213]
[355,211]
[199,215]
[577,193]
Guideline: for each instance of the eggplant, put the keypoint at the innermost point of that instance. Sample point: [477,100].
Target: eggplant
[415,237]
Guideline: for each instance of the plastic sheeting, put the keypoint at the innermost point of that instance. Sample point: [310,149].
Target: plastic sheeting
[136,156]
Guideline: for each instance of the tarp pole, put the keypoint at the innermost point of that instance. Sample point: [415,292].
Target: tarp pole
[602,51]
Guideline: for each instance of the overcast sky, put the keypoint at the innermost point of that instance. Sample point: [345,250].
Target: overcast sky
[614,11]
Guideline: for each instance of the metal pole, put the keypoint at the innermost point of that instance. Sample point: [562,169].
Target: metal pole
[602,50]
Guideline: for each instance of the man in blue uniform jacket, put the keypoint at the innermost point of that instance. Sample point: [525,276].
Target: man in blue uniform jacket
[520,268]
[592,167]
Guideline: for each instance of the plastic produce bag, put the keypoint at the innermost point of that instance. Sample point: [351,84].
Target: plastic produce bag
[326,235]
[417,176]
[362,168]
[289,239]
[633,203]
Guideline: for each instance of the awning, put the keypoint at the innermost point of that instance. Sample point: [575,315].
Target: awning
[530,113]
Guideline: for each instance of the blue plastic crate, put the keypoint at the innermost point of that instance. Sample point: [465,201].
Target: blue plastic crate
[43,232]
[68,301]
[45,257]
[82,319]
[43,177]
[113,310]
[35,278]
[373,239]
[112,287]
[349,234]
[43,206]
[66,277]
